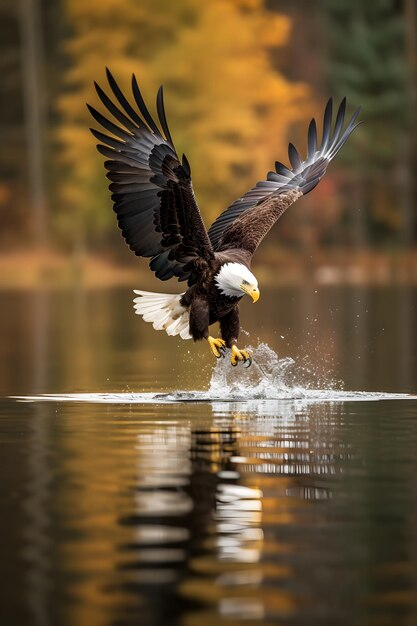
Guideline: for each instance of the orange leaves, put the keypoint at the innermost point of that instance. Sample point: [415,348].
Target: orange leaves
[238,117]
[228,107]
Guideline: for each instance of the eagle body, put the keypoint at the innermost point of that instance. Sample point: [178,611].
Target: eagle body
[159,217]
[207,304]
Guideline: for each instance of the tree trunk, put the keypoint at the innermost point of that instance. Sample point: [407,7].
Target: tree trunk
[409,196]
[32,70]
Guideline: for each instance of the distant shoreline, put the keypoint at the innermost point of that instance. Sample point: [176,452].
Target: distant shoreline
[32,269]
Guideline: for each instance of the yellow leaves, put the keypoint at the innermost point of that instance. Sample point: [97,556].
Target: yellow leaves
[82,12]
[240,109]
[228,107]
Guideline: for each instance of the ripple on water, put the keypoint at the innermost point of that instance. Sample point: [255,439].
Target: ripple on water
[268,380]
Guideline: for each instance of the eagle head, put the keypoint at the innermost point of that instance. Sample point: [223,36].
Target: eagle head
[234,280]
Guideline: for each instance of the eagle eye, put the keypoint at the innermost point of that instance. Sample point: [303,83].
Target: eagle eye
[245,282]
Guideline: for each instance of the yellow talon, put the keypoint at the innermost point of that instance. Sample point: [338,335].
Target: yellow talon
[217,346]
[240,355]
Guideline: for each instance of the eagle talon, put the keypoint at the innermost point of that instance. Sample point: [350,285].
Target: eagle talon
[247,362]
[218,347]
[240,355]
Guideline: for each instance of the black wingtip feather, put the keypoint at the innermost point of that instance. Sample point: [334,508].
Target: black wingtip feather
[294,156]
[340,116]
[124,103]
[108,125]
[312,139]
[161,114]
[282,169]
[142,106]
[186,165]
[112,108]
[327,124]
[97,116]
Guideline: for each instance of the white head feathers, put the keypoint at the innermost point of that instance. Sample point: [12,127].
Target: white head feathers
[230,278]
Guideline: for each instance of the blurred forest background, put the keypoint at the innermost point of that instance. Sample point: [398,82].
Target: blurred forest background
[241,79]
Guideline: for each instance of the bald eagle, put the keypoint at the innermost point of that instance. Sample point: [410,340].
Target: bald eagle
[159,217]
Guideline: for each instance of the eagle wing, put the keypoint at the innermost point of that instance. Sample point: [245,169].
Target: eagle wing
[151,189]
[246,222]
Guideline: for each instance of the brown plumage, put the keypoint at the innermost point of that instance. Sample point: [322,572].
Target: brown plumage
[159,217]
[247,231]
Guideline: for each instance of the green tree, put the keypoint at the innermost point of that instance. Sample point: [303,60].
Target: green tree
[367,63]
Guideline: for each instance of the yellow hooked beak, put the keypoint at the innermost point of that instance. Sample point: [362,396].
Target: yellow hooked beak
[252,291]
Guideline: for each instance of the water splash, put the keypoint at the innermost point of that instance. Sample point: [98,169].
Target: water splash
[269,377]
[268,380]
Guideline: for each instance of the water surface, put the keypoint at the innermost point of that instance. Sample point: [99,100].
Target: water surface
[291,501]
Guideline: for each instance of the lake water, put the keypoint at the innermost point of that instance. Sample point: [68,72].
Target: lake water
[139,484]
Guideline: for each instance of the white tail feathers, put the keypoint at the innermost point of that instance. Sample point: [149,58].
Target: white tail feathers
[164,311]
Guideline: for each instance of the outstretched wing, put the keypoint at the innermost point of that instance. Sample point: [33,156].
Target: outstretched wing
[151,189]
[246,222]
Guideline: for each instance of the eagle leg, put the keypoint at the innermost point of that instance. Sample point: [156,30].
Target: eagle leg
[217,346]
[240,355]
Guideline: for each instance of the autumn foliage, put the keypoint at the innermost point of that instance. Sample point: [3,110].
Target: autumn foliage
[229,108]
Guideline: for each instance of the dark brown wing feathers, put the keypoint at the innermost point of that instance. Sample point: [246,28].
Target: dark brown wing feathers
[245,222]
[153,196]
[251,227]
[151,190]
